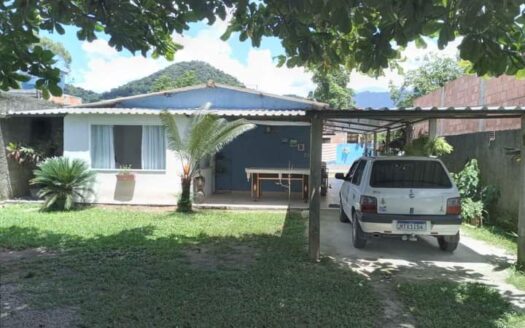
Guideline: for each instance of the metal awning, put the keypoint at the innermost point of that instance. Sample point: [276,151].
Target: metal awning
[372,120]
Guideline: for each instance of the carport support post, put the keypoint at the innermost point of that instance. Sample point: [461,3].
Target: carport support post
[521,215]
[375,143]
[316,139]
[432,128]
[387,142]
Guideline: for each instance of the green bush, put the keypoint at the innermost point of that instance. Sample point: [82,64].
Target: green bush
[477,201]
[424,146]
[62,180]
[472,211]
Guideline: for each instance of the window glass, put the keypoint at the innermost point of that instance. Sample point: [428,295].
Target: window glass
[132,146]
[351,171]
[409,174]
[356,179]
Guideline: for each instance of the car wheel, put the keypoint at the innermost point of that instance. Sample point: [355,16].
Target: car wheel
[358,236]
[342,215]
[448,243]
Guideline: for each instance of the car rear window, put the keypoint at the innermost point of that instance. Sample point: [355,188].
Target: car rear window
[409,174]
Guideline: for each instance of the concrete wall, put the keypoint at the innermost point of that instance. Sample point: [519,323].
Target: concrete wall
[263,146]
[255,148]
[496,167]
[218,97]
[158,187]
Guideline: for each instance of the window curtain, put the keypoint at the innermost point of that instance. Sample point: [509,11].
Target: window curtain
[102,147]
[153,148]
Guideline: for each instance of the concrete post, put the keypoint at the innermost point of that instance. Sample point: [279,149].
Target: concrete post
[521,215]
[375,144]
[388,140]
[316,139]
[432,128]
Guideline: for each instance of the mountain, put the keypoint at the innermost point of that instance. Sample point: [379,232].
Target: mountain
[201,71]
[86,95]
[373,99]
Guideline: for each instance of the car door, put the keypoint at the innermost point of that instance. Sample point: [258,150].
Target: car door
[345,188]
[357,179]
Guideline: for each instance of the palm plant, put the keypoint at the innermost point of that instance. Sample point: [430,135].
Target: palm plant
[203,135]
[62,180]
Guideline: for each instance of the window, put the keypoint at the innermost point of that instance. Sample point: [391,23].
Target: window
[409,174]
[356,179]
[139,147]
[351,171]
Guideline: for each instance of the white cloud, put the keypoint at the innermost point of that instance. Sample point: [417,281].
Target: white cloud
[107,68]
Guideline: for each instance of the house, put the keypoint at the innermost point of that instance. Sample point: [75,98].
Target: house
[127,132]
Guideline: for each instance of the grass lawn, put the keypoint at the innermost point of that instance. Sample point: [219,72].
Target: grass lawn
[126,268]
[449,304]
[122,268]
[503,239]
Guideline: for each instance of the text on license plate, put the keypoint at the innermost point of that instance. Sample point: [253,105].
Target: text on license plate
[411,225]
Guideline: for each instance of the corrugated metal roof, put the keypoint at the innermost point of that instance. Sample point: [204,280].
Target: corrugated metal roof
[155,111]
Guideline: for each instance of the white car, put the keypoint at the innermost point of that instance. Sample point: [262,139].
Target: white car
[400,196]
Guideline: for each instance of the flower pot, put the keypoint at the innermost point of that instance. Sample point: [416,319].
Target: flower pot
[125,177]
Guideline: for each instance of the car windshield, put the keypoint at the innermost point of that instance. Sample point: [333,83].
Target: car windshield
[409,174]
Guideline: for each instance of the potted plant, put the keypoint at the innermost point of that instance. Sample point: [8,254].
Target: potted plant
[125,174]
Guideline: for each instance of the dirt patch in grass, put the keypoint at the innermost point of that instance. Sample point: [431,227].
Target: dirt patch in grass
[17,313]
[236,257]
[7,256]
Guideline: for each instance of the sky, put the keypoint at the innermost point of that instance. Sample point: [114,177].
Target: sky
[98,67]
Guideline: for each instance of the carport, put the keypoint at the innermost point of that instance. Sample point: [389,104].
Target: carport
[370,121]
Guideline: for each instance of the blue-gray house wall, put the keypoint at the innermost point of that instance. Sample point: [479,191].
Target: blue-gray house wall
[219,98]
[261,147]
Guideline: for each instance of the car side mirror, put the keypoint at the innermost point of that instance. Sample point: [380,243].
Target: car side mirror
[340,176]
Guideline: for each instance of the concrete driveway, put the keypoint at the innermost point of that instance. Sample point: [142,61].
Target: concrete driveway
[391,258]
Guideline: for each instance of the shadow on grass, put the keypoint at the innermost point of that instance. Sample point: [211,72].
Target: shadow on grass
[135,279]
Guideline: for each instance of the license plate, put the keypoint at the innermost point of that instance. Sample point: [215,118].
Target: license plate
[411,226]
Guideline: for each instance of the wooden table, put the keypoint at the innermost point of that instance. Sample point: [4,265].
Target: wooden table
[283,175]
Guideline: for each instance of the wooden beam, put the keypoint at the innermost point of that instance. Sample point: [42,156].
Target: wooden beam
[316,135]
[521,190]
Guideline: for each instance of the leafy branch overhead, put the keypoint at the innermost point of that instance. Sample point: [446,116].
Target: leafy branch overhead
[365,35]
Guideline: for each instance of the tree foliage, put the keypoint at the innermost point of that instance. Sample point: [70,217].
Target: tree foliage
[165,82]
[58,49]
[203,134]
[332,87]
[433,74]
[365,35]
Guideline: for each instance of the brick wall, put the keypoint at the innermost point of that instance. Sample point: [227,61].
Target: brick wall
[471,90]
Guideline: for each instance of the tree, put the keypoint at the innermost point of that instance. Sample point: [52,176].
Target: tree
[433,74]
[166,82]
[332,88]
[202,135]
[366,35]
[58,49]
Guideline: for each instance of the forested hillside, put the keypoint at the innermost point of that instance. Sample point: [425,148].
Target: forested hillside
[176,75]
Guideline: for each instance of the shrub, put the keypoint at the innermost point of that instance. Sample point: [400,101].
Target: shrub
[424,146]
[62,180]
[476,200]
[472,211]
